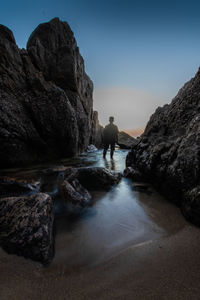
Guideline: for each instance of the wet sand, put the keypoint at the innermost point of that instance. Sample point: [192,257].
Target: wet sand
[167,268]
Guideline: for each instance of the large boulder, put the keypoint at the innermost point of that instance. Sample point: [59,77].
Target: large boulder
[95,178]
[26,226]
[168,153]
[46,105]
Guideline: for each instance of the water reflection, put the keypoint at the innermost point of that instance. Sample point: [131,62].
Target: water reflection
[115,164]
[110,164]
[126,215]
[122,217]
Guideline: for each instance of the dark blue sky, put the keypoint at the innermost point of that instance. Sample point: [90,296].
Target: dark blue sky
[148,47]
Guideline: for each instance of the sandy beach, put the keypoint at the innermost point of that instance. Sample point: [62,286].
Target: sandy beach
[167,268]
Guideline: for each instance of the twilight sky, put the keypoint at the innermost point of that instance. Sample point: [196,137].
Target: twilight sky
[138,53]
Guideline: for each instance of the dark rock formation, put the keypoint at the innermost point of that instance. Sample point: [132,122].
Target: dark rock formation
[75,193]
[131,173]
[51,179]
[26,226]
[46,105]
[168,153]
[125,141]
[96,178]
[97,131]
[191,206]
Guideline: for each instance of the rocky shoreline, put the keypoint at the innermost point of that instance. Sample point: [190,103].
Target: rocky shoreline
[168,152]
[27,220]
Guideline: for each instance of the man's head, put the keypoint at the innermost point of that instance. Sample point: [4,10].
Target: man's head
[111,119]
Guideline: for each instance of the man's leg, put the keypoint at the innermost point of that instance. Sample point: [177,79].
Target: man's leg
[106,146]
[112,149]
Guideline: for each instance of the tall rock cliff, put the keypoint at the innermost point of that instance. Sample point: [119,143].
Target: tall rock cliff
[46,105]
[96,137]
[168,153]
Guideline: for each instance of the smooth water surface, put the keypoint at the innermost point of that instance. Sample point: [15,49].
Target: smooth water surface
[128,215]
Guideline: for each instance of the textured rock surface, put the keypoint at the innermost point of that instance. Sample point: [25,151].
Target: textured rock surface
[131,173]
[97,131]
[26,226]
[125,141]
[191,206]
[75,193]
[51,179]
[97,178]
[168,153]
[46,106]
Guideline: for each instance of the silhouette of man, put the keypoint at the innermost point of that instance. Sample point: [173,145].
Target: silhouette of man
[110,137]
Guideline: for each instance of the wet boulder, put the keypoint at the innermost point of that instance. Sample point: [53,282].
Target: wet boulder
[91,148]
[26,226]
[97,178]
[75,194]
[52,178]
[134,174]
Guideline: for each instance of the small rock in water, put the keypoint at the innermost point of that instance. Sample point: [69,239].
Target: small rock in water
[129,172]
[75,193]
[52,178]
[97,178]
[91,148]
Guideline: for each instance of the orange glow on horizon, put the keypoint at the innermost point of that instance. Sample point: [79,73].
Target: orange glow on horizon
[134,132]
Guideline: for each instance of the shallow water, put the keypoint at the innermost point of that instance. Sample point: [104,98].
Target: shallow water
[130,214]
[127,215]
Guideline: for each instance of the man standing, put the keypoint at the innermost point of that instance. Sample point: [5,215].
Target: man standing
[110,137]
